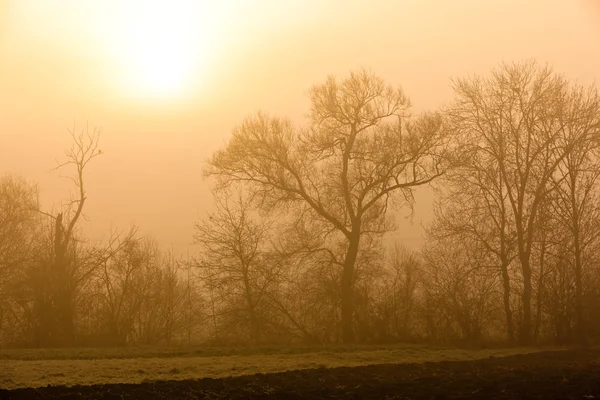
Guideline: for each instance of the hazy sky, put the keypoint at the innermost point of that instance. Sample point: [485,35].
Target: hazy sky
[168,80]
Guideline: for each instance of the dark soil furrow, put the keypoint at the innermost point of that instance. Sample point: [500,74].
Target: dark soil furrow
[547,375]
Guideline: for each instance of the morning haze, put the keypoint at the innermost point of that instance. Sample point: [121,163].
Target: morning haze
[240,163]
[60,66]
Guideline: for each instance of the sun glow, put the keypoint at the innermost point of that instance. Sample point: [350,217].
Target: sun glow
[164,47]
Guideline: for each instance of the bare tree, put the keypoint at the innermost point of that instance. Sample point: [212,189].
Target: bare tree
[63,266]
[516,119]
[163,316]
[360,153]
[473,208]
[18,227]
[127,278]
[395,301]
[459,290]
[576,203]
[18,200]
[405,266]
[234,262]
[57,290]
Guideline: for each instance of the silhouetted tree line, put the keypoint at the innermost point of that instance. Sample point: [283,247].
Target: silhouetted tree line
[297,248]
[58,290]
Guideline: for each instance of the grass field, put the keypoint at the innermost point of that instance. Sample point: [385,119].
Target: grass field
[35,368]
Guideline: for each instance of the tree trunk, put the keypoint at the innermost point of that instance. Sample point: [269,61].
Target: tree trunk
[525,337]
[579,320]
[347,290]
[254,327]
[506,297]
[580,334]
[63,305]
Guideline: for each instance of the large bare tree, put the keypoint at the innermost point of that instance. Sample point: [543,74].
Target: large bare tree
[575,203]
[516,121]
[360,152]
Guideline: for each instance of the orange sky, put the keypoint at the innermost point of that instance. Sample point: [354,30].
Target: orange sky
[86,61]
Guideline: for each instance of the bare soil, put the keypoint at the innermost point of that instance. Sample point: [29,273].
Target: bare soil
[545,375]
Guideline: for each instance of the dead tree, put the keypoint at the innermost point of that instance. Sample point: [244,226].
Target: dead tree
[63,267]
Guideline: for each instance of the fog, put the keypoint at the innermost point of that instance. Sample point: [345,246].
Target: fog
[63,65]
[300,199]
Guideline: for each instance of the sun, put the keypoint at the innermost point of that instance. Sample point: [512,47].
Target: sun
[163,47]
[160,54]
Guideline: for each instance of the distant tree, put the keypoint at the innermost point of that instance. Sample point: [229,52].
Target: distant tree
[405,266]
[458,289]
[517,120]
[18,202]
[18,227]
[236,264]
[576,204]
[360,153]
[164,311]
[394,301]
[144,298]
[473,208]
